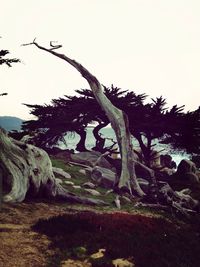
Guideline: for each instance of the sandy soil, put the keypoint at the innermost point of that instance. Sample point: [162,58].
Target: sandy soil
[19,245]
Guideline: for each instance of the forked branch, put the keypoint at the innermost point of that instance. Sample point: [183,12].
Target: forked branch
[117,118]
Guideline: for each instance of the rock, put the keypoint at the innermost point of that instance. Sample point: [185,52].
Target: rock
[99,254]
[75,263]
[192,177]
[177,198]
[58,171]
[89,158]
[104,177]
[187,201]
[69,183]
[89,185]
[80,252]
[186,166]
[166,161]
[161,161]
[168,171]
[122,263]
[82,171]
[92,192]
[187,171]
[61,153]
[86,171]
[165,174]
[76,186]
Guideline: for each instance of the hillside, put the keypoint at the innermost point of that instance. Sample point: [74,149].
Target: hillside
[41,233]
[10,123]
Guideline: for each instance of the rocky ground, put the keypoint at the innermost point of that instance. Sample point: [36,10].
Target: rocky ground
[20,246]
[59,234]
[45,233]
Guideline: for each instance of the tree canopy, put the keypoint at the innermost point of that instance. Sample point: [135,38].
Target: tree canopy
[147,121]
[7,61]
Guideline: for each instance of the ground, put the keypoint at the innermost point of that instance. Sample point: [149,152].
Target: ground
[48,233]
[20,246]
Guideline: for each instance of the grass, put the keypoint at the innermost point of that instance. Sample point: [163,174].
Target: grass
[147,237]
[148,242]
[79,179]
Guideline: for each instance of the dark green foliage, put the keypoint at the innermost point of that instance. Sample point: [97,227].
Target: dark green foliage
[147,121]
[152,121]
[149,242]
[7,61]
[73,114]
[188,137]
[52,125]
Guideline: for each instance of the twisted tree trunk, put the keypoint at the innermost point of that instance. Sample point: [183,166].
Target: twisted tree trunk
[100,142]
[117,118]
[81,144]
[27,170]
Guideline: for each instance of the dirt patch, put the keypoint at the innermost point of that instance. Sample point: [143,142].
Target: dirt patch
[19,245]
[53,234]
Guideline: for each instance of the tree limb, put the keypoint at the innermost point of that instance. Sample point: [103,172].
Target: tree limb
[117,117]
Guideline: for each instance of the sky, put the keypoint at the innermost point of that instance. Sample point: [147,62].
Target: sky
[147,46]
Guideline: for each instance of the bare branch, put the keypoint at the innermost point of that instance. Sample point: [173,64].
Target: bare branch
[117,118]
[29,43]
[3,94]
[54,46]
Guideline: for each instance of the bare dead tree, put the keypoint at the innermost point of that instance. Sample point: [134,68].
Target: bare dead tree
[117,118]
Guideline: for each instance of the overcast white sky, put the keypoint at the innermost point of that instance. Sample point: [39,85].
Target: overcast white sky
[148,46]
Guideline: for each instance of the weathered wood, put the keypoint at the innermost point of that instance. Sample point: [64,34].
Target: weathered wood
[27,170]
[117,118]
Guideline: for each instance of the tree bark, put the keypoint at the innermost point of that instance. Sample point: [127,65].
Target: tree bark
[117,118]
[81,144]
[100,142]
[27,170]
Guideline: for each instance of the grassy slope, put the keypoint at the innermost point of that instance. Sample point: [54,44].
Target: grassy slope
[45,233]
[79,179]
[146,237]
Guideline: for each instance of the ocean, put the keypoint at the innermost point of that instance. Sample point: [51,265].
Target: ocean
[73,138]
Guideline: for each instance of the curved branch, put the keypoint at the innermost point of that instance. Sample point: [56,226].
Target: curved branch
[54,46]
[100,142]
[117,118]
